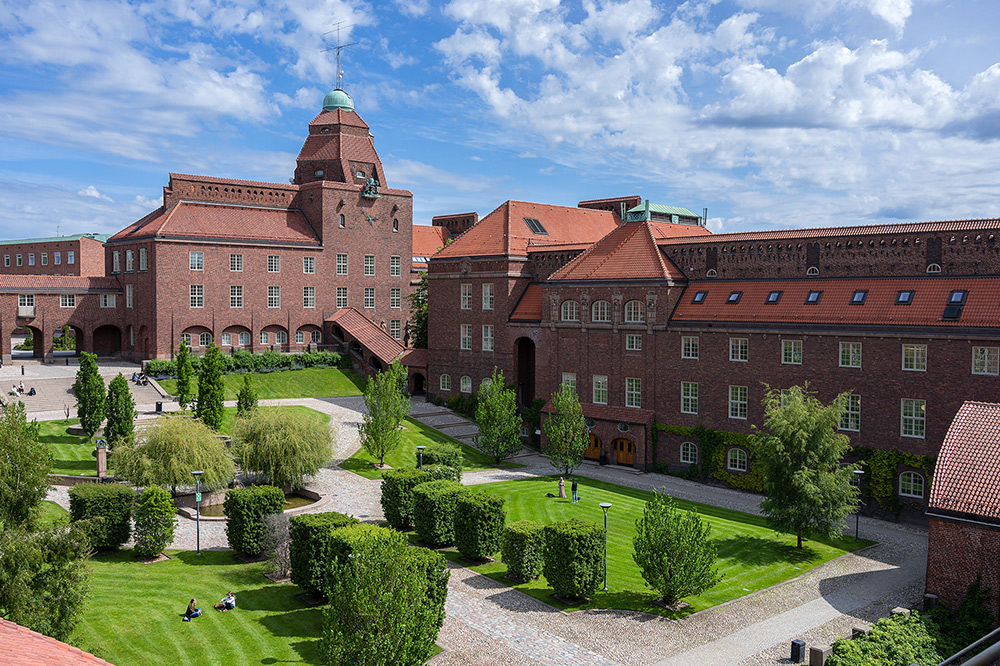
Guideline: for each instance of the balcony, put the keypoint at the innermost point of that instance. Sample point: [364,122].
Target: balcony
[26,311]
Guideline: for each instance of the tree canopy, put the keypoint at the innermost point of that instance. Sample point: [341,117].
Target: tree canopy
[565,430]
[497,418]
[416,325]
[211,389]
[120,409]
[246,399]
[283,446]
[184,373]
[388,405]
[90,394]
[24,468]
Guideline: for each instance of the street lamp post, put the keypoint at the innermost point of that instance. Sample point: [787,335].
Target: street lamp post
[605,506]
[857,518]
[420,452]
[197,501]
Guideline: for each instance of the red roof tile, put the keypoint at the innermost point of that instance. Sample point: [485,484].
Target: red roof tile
[627,253]
[62,284]
[956,226]
[609,413]
[385,347]
[414,358]
[982,305]
[20,646]
[504,231]
[199,220]
[669,230]
[427,239]
[558,247]
[967,473]
[529,307]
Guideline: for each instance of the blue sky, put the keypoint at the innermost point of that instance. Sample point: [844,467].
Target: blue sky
[770,113]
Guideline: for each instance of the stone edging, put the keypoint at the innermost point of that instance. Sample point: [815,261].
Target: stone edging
[321,503]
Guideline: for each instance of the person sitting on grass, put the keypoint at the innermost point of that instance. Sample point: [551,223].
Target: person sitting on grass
[192,611]
[228,603]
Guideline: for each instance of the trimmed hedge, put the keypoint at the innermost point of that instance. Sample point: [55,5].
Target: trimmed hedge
[246,361]
[397,494]
[479,520]
[108,507]
[245,510]
[574,557]
[434,511]
[435,568]
[310,550]
[439,472]
[442,453]
[155,520]
[344,542]
[522,548]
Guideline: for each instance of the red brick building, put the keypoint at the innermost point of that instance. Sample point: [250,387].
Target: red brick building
[82,254]
[964,513]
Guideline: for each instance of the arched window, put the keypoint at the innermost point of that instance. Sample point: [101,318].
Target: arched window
[244,339]
[689,453]
[736,460]
[263,337]
[911,484]
[445,382]
[186,337]
[315,337]
[205,339]
[395,225]
[485,383]
[466,384]
[570,311]
[812,271]
[343,222]
[712,273]
[281,338]
[934,268]
[635,312]
[600,311]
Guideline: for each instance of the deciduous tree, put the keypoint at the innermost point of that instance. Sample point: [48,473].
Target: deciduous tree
[497,418]
[281,445]
[184,373]
[246,399]
[416,325]
[388,405]
[211,389]
[120,409]
[24,468]
[90,394]
[565,430]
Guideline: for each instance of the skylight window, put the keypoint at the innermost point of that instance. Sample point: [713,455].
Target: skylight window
[956,301]
[957,297]
[774,297]
[904,297]
[735,297]
[535,226]
[699,297]
[859,296]
[813,297]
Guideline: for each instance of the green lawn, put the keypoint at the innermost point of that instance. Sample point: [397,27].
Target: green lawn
[71,454]
[133,616]
[416,433]
[751,555]
[229,418]
[51,513]
[307,383]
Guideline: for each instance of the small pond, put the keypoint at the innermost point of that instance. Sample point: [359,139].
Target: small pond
[292,501]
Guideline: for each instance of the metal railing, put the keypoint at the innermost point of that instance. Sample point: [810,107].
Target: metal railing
[987,657]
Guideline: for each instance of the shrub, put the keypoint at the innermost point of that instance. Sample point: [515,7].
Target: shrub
[439,472]
[111,505]
[522,547]
[246,399]
[397,494]
[443,454]
[281,445]
[892,641]
[120,410]
[346,541]
[311,550]
[245,511]
[277,544]
[154,522]
[434,511]
[479,519]
[435,569]
[246,361]
[573,557]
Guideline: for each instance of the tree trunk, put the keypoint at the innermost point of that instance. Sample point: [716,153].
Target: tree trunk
[799,535]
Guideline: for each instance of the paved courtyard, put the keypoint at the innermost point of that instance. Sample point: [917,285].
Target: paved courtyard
[489,623]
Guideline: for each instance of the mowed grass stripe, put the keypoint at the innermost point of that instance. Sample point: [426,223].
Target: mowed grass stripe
[305,383]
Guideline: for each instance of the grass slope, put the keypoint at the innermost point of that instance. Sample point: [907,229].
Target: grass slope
[307,383]
[751,555]
[50,514]
[405,455]
[133,617]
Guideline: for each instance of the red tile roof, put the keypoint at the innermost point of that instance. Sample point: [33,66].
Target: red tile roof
[197,220]
[982,304]
[414,358]
[609,413]
[504,231]
[669,230]
[955,226]
[57,284]
[627,253]
[427,239]
[529,307]
[23,647]
[967,473]
[557,247]
[385,347]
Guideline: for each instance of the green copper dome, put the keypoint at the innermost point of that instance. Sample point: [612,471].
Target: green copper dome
[338,99]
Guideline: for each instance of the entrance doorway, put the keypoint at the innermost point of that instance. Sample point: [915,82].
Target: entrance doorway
[593,451]
[624,452]
[525,354]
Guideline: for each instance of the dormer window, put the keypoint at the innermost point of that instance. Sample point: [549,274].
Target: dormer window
[859,296]
[699,297]
[773,297]
[957,297]
[904,297]
[956,301]
[325,130]
[813,297]
[319,174]
[735,297]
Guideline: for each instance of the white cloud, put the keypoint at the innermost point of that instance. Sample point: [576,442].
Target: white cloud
[414,8]
[91,191]
[895,13]
[410,173]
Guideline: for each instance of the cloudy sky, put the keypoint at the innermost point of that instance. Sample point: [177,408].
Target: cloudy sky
[770,113]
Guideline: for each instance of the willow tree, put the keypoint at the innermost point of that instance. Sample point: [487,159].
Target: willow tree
[281,445]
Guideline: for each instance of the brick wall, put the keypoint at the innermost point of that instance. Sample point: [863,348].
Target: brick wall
[88,258]
[958,552]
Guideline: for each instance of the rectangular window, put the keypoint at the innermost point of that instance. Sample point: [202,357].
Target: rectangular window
[19,261]
[273,263]
[70,257]
[689,397]
[487,337]
[45,258]
[31,258]
[466,303]
[308,297]
[850,414]
[197,295]
[739,349]
[244,339]
[738,399]
[128,295]
[263,337]
[791,352]
[985,360]
[25,300]
[107,300]
[633,392]
[143,259]
[369,265]
[633,342]
[67,300]
[850,354]
[308,265]
[913,417]
[236,263]
[689,346]
[196,261]
[274,297]
[236,296]
[600,389]
[370,298]
[116,261]
[445,382]
[300,337]
[129,261]
[488,296]
[227,339]
[6,260]
[395,329]
[465,335]
[341,297]
[395,298]
[395,266]
[56,259]
[915,358]
[341,264]
[569,379]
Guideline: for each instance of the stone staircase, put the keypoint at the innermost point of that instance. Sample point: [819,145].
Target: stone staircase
[55,395]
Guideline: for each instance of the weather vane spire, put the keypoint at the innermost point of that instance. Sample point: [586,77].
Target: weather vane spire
[339,48]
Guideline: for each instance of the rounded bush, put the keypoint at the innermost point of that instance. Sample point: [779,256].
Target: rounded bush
[479,520]
[574,557]
[155,520]
[522,547]
[443,453]
[434,511]
[108,508]
[439,472]
[245,510]
[311,548]
[397,494]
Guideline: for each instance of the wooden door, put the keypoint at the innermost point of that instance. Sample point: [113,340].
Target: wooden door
[593,451]
[624,452]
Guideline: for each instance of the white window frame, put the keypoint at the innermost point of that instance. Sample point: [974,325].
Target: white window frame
[487,296]
[308,265]
[235,296]
[273,297]
[143,260]
[395,266]
[395,298]
[914,356]
[635,312]
[196,295]
[466,384]
[369,270]
[465,337]
[569,379]
[315,337]
[600,386]
[739,402]
[395,329]
[907,489]
[244,339]
[465,297]
[273,263]
[56,259]
[31,258]
[227,340]
[369,298]
[309,297]
[342,263]
[67,300]
[569,311]
[791,352]
[204,339]
[600,312]
[737,460]
[70,257]
[633,392]
[444,382]
[129,295]
[913,418]
[108,300]
[300,337]
[116,261]
[196,261]
[739,350]
[689,397]
[689,453]
[281,337]
[45,258]
[235,263]
[986,360]
[850,413]
[341,297]
[851,351]
[690,347]
[264,338]
[186,337]
[488,337]
[633,342]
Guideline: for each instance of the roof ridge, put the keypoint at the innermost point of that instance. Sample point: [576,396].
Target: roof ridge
[586,253]
[656,250]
